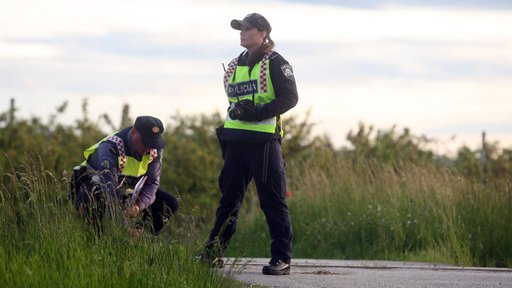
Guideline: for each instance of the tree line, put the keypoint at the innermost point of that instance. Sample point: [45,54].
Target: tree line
[192,157]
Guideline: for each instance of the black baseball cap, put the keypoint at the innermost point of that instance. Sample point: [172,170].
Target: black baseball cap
[253,20]
[150,129]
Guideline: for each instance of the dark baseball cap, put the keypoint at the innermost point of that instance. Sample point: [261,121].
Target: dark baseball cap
[253,20]
[150,129]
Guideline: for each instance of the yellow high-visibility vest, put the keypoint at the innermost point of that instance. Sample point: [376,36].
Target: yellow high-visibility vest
[256,85]
[127,165]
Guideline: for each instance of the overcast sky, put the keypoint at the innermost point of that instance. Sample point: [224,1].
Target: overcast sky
[440,68]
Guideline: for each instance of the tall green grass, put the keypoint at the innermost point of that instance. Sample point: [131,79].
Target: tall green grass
[342,209]
[43,243]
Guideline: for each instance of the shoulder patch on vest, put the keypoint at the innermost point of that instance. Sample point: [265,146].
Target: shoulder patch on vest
[105,164]
[287,71]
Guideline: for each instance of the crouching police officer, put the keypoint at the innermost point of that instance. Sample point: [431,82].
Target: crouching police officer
[260,86]
[127,159]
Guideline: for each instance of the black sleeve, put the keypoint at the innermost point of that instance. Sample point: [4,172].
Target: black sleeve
[104,160]
[285,88]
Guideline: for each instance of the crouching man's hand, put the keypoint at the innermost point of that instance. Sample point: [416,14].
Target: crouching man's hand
[135,233]
[133,211]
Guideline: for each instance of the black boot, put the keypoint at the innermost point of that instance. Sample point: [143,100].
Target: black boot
[278,267]
[211,259]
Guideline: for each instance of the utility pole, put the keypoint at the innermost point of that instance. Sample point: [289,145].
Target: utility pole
[483,161]
[11,115]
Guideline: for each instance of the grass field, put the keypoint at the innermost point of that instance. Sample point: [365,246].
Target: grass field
[346,210]
[339,209]
[43,243]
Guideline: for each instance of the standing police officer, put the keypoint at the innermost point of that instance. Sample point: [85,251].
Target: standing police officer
[115,165]
[260,86]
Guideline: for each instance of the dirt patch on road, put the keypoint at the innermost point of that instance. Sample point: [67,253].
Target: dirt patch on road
[325,272]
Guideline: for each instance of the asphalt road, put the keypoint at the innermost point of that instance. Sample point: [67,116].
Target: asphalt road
[368,274]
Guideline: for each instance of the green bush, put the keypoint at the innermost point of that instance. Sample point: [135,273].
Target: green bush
[387,196]
[369,210]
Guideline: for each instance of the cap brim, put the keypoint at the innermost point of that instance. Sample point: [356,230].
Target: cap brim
[153,143]
[236,24]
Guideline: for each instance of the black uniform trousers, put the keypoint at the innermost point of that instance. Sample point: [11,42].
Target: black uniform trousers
[92,202]
[263,163]
[165,205]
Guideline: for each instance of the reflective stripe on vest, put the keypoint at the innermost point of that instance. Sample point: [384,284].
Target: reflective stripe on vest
[122,154]
[263,72]
[239,86]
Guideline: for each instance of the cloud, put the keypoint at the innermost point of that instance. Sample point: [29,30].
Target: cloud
[14,50]
[375,4]
[424,68]
[422,105]
[407,60]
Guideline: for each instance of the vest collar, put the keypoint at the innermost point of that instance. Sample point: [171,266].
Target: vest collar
[244,57]
[128,144]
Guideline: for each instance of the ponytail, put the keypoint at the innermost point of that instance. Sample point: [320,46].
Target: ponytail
[267,46]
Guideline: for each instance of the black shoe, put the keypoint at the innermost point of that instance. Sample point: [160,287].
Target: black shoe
[276,268]
[217,263]
[212,261]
